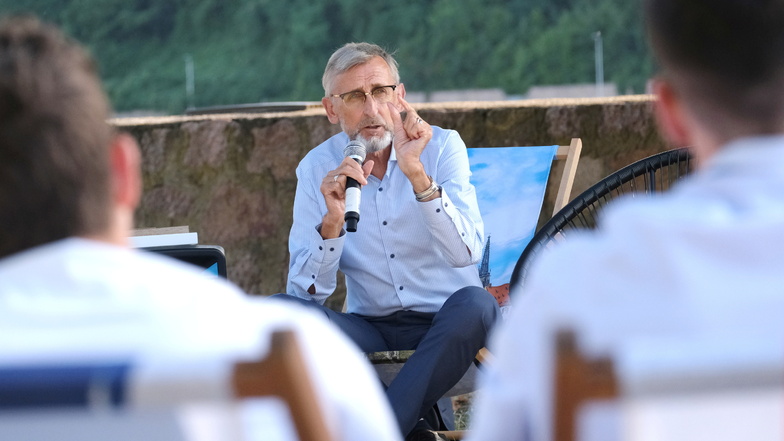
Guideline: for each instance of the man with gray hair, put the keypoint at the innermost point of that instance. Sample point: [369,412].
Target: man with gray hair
[410,266]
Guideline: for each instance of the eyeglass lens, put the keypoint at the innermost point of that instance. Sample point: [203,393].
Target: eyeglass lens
[381,95]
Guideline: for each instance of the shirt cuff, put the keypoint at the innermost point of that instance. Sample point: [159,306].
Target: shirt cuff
[439,210]
[326,251]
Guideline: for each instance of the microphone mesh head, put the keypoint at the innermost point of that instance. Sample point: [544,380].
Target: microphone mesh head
[355,149]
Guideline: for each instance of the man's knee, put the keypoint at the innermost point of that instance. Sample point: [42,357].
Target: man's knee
[476,297]
[474,304]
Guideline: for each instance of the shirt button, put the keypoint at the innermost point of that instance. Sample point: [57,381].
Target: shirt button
[384,223]
[380,188]
[401,287]
[332,249]
[438,210]
[446,204]
[462,234]
[313,276]
[391,256]
[320,248]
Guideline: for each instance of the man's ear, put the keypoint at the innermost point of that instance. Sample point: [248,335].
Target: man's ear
[331,114]
[670,114]
[401,89]
[126,171]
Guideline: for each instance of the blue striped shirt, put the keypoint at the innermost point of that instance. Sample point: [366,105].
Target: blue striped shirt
[405,255]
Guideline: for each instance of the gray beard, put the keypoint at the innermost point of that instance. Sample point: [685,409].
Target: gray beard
[376,143]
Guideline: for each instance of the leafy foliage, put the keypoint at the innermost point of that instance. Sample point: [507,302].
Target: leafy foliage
[248,51]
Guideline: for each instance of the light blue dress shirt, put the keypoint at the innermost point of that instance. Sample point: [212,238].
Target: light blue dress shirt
[405,255]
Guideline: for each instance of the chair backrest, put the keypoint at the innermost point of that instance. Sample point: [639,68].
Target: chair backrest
[577,381]
[649,175]
[283,373]
[85,401]
[721,385]
[65,385]
[511,184]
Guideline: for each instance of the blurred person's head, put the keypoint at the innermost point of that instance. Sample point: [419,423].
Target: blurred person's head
[63,170]
[722,67]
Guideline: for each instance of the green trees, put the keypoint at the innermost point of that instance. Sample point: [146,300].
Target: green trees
[247,51]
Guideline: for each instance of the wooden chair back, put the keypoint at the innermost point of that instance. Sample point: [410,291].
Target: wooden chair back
[577,381]
[88,401]
[283,373]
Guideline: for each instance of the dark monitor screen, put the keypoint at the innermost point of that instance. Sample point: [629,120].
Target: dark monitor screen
[209,257]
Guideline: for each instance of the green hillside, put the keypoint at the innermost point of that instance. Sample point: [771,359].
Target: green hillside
[247,51]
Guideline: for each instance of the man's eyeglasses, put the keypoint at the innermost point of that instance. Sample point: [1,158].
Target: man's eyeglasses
[354,99]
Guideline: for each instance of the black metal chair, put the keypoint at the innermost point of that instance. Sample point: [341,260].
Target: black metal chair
[649,175]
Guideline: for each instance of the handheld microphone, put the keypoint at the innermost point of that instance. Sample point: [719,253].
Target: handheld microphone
[356,151]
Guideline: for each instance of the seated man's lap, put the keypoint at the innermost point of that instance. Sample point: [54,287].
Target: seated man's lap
[363,333]
[470,310]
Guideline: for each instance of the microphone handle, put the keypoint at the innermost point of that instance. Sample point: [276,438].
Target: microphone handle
[353,196]
[353,192]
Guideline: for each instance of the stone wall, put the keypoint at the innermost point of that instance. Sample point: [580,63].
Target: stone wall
[230,177]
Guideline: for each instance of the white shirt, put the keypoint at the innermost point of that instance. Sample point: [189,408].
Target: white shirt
[405,255]
[704,258]
[77,299]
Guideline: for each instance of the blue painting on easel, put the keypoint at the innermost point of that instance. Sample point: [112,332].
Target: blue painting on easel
[510,183]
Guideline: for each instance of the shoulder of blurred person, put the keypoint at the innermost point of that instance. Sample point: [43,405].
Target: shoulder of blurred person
[78,298]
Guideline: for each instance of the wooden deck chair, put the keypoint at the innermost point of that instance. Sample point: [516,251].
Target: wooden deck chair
[577,381]
[486,164]
[283,373]
[511,184]
[92,401]
[721,385]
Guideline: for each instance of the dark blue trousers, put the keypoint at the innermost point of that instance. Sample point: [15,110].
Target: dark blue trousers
[446,343]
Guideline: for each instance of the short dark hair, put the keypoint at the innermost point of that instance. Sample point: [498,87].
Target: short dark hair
[726,57]
[54,138]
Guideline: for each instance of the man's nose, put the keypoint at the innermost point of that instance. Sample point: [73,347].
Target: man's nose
[371,106]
